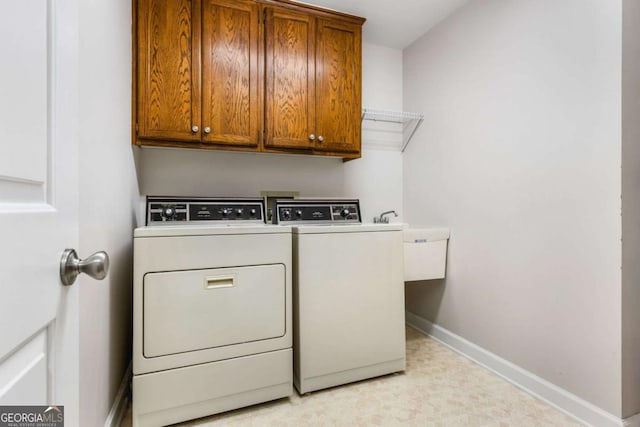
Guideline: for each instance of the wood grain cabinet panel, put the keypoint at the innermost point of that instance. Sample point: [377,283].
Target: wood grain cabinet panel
[230,76]
[290,84]
[338,83]
[168,77]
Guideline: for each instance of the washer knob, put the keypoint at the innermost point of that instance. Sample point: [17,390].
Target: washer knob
[239,212]
[225,212]
[253,212]
[344,213]
[286,214]
[299,213]
[168,212]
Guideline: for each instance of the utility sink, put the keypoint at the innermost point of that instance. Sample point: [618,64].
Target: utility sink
[425,253]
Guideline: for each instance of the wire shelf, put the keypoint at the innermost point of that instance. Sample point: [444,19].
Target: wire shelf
[410,121]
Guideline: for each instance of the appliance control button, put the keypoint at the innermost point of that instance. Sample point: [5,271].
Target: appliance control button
[252,212]
[344,212]
[299,213]
[286,213]
[239,212]
[168,212]
[225,212]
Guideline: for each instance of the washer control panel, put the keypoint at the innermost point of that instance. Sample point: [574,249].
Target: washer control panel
[300,211]
[197,210]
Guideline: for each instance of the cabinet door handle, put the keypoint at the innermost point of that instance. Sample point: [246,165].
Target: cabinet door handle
[312,137]
[195,129]
[320,138]
[207,130]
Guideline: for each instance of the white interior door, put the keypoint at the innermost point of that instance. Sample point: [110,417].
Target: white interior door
[38,203]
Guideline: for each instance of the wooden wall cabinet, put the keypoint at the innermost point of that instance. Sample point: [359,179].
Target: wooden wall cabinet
[231,79]
[168,80]
[338,86]
[313,69]
[198,78]
[290,72]
[252,75]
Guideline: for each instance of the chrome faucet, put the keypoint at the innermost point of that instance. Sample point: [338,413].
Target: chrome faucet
[382,219]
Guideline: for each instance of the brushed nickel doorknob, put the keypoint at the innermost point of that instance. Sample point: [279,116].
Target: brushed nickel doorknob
[96,266]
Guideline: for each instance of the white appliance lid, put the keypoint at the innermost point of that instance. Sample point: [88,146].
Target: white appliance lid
[208,230]
[356,228]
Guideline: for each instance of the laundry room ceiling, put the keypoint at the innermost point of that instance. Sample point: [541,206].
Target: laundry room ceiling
[394,23]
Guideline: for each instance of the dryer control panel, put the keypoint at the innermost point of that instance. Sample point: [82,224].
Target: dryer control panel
[200,210]
[300,211]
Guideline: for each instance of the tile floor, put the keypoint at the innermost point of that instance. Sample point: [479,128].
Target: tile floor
[438,388]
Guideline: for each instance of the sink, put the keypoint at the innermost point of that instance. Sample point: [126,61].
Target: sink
[429,234]
[425,253]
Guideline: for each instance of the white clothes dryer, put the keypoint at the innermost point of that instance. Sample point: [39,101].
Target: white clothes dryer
[212,314]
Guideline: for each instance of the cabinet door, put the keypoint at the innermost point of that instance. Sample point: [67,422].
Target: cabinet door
[290,86]
[231,109]
[338,86]
[168,77]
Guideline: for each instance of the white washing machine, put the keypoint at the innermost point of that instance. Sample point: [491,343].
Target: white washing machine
[212,314]
[348,290]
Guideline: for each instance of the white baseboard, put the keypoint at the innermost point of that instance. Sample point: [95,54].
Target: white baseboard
[570,404]
[633,421]
[121,402]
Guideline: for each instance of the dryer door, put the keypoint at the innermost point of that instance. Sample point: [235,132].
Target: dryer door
[200,309]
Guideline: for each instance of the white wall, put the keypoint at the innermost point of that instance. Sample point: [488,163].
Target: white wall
[630,208]
[233,174]
[376,178]
[520,156]
[108,194]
